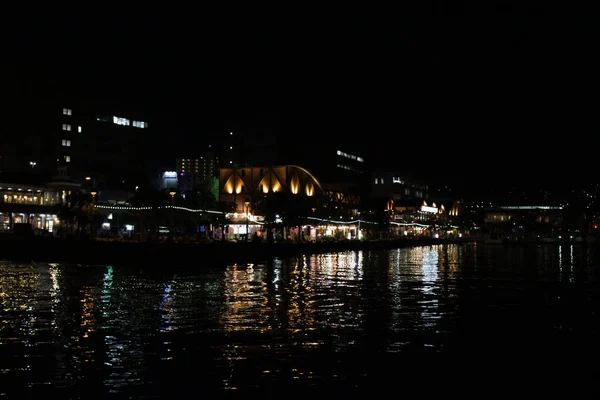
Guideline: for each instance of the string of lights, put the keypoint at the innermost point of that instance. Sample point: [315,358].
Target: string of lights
[324,220]
[193,210]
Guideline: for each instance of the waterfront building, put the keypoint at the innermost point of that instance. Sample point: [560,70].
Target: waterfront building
[33,204]
[526,222]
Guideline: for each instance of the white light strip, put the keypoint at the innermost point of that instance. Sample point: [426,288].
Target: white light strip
[530,207]
[341,222]
[159,208]
[416,224]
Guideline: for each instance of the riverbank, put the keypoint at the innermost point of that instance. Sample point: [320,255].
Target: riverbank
[98,252]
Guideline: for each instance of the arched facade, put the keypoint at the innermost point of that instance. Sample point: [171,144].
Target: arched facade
[239,185]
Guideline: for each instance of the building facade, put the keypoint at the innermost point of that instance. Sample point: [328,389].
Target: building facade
[32,204]
[193,172]
[119,152]
[246,187]
[393,185]
[46,144]
[63,140]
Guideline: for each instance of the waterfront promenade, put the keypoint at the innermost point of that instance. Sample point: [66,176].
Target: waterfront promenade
[99,252]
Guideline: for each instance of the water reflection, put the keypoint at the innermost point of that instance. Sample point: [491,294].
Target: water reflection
[309,321]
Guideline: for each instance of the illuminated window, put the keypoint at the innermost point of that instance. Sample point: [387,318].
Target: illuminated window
[67,111]
[376,181]
[349,168]
[66,127]
[66,143]
[67,158]
[139,124]
[121,121]
[79,129]
[397,180]
[350,156]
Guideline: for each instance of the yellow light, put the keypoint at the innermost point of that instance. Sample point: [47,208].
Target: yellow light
[295,184]
[310,189]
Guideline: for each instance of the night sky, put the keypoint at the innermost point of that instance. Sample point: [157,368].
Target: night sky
[504,98]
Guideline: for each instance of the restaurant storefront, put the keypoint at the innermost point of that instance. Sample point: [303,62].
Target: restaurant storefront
[35,205]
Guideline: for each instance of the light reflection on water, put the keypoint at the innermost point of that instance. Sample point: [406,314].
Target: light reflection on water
[306,321]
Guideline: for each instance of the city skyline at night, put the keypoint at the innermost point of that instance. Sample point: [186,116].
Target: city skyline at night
[427,96]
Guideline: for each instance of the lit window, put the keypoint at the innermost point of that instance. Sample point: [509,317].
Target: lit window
[66,142]
[79,129]
[376,181]
[350,156]
[121,121]
[67,158]
[349,168]
[139,124]
[67,111]
[66,127]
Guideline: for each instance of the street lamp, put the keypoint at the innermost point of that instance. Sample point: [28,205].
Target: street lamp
[172,193]
[358,234]
[93,193]
[247,203]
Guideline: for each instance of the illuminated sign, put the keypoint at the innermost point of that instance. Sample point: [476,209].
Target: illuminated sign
[170,174]
[429,209]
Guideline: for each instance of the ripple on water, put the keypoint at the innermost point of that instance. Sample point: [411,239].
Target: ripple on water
[318,321]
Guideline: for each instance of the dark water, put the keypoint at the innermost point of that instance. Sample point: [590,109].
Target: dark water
[449,317]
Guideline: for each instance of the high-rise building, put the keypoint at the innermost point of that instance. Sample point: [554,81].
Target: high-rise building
[188,173]
[62,140]
[116,150]
[47,144]
[192,172]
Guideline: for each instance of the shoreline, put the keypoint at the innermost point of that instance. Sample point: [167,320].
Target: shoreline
[74,251]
